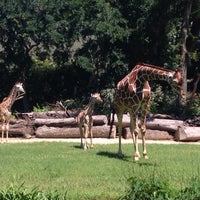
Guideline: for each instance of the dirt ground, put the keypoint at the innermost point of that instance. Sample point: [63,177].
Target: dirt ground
[95,141]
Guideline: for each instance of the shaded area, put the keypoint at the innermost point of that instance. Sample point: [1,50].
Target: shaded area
[113,155]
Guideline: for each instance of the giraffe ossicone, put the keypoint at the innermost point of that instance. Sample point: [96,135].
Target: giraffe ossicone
[16,93]
[133,93]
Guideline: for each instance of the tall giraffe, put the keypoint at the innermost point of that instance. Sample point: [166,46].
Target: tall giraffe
[16,93]
[133,93]
[85,121]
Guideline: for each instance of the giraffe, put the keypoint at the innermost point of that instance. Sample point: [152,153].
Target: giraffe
[85,122]
[133,93]
[16,93]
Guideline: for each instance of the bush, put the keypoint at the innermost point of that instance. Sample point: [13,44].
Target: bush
[21,193]
[194,110]
[164,100]
[156,189]
[191,192]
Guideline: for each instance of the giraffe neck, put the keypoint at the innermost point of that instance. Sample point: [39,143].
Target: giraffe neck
[143,73]
[9,101]
[90,107]
[150,73]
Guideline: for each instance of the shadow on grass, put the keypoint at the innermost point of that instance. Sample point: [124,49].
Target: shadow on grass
[141,162]
[113,155]
[78,147]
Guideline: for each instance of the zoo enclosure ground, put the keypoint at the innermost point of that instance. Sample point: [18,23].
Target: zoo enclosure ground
[95,141]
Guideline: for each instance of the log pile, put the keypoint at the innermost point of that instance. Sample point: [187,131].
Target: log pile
[188,134]
[54,124]
[162,129]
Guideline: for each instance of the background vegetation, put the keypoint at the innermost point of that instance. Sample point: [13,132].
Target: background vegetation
[67,49]
[60,169]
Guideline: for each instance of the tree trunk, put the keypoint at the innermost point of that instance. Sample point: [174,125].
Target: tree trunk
[153,123]
[188,134]
[20,128]
[184,55]
[70,122]
[150,134]
[56,132]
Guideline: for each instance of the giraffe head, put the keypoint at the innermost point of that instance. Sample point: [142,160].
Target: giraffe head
[20,92]
[176,82]
[96,97]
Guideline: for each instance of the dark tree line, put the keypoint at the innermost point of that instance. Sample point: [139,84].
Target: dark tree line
[67,49]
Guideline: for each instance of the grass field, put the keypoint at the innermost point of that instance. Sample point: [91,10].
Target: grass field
[97,173]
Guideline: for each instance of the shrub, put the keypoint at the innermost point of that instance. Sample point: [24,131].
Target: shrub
[191,192]
[154,189]
[21,193]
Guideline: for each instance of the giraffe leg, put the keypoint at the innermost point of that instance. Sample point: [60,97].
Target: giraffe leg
[85,136]
[81,133]
[145,107]
[2,132]
[143,132]
[7,129]
[134,120]
[90,132]
[144,143]
[91,137]
[119,116]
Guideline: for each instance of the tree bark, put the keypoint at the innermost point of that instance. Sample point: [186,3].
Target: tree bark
[184,35]
[150,134]
[56,132]
[20,128]
[153,123]
[188,134]
[44,115]
[70,122]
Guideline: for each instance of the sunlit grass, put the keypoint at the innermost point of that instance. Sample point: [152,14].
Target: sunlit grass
[97,173]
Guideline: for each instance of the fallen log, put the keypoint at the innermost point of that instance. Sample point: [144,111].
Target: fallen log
[70,122]
[153,123]
[98,120]
[20,128]
[150,134]
[160,116]
[43,115]
[187,133]
[66,132]
[163,124]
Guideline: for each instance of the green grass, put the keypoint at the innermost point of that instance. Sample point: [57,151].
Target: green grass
[97,173]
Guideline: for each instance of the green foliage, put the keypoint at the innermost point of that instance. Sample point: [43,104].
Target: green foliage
[89,45]
[107,96]
[152,189]
[22,193]
[157,189]
[85,63]
[64,168]
[38,108]
[192,191]
[164,100]
[195,107]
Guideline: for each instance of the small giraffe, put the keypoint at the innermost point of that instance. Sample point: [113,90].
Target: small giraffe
[85,122]
[133,93]
[16,93]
